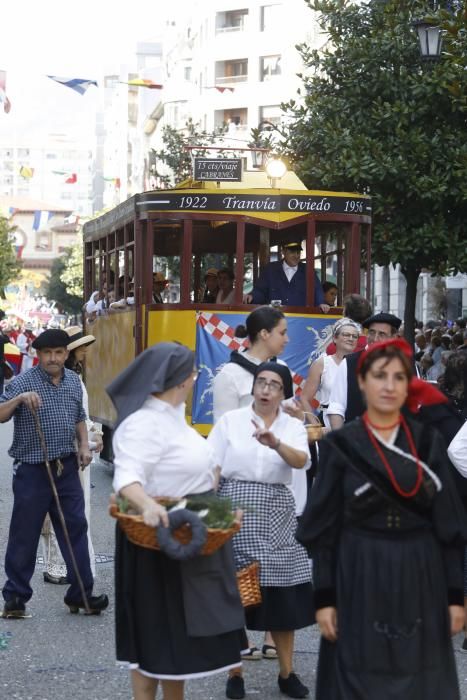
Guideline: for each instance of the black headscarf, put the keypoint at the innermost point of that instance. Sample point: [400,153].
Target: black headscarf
[284,373]
[157,369]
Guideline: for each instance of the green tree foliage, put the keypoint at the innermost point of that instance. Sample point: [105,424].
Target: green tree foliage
[72,275]
[58,291]
[374,119]
[10,266]
[174,154]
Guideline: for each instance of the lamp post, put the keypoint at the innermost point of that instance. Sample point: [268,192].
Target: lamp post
[430,36]
[430,39]
[259,158]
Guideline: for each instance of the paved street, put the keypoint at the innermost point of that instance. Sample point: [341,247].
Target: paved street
[57,656]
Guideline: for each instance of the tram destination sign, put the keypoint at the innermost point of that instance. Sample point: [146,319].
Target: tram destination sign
[218,169]
[321,203]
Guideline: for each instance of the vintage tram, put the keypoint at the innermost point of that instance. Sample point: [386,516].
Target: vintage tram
[182,231]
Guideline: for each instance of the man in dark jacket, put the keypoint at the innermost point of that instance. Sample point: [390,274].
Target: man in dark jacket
[346,400]
[285,281]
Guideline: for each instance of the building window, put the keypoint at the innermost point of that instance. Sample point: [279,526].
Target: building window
[269,67]
[270,113]
[231,21]
[270,17]
[235,71]
[187,73]
[23,152]
[231,119]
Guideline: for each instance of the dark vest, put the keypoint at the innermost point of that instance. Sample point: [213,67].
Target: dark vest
[355,404]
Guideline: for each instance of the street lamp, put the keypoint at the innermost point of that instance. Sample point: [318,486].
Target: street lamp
[263,143]
[275,169]
[430,39]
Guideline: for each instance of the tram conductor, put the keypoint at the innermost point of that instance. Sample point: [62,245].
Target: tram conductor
[285,281]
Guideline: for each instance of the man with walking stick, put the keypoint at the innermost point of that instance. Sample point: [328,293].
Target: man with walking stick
[50,445]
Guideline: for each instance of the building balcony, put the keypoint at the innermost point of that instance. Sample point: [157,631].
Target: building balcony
[228,79]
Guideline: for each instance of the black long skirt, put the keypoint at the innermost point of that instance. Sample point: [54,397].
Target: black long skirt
[151,633]
[282,609]
[393,622]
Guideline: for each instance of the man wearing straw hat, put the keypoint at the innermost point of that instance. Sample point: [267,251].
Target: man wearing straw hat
[46,405]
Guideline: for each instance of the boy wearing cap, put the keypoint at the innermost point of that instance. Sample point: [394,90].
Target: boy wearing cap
[285,280]
[55,394]
[159,283]
[211,286]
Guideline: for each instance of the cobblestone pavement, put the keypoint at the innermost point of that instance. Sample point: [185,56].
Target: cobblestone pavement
[58,656]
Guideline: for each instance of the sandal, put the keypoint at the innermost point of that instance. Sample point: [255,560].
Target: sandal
[269,652]
[253,654]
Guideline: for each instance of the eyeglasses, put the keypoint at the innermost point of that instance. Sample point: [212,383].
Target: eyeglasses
[349,336]
[382,335]
[273,386]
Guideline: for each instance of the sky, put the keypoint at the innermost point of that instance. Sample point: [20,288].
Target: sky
[67,39]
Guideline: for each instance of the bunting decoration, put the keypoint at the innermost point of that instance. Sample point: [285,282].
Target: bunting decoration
[79,85]
[41,219]
[3,97]
[26,172]
[70,178]
[142,82]
[114,180]
[219,88]
[72,219]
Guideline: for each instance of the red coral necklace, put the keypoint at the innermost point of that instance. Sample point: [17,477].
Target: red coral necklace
[401,421]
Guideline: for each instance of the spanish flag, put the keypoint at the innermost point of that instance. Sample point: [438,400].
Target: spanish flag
[142,82]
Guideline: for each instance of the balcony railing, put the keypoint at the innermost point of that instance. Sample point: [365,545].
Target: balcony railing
[226,79]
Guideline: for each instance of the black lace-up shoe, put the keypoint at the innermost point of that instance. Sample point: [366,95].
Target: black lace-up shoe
[292,686]
[97,603]
[14,608]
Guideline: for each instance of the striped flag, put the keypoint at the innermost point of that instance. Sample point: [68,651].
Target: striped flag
[79,85]
[3,98]
[41,219]
[143,82]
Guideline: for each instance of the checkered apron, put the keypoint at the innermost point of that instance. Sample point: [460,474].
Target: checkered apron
[268,532]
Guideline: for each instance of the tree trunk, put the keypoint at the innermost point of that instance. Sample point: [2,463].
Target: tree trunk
[411,275]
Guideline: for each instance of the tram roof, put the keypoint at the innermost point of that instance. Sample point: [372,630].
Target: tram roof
[253,198]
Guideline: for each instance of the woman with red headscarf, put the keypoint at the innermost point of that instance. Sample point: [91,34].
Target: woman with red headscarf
[386,531]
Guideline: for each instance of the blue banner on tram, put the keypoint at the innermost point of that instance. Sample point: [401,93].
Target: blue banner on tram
[215,340]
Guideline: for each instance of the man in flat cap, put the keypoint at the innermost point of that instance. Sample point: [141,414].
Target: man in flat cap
[285,280]
[54,393]
[346,401]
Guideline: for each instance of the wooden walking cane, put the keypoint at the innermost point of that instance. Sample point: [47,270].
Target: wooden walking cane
[87,609]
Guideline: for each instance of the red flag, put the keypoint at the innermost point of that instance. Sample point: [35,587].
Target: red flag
[71,179]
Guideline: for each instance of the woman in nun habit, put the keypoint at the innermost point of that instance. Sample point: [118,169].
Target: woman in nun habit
[386,532]
[174,619]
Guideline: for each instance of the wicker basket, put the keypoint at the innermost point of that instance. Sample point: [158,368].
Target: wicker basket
[315,432]
[146,536]
[248,585]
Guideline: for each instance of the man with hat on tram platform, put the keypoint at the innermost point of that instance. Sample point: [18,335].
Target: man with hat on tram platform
[54,394]
[346,400]
[159,283]
[285,281]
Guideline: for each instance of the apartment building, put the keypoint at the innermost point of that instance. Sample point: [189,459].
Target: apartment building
[230,64]
[57,169]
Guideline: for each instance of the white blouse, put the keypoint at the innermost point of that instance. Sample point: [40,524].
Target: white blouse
[242,457]
[157,448]
[232,387]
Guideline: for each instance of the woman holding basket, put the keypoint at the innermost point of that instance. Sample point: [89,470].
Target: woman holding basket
[168,621]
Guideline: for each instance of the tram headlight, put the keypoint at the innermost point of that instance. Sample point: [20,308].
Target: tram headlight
[276,168]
